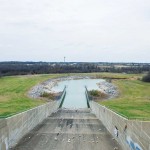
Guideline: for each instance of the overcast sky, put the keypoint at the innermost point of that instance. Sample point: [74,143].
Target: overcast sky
[80,30]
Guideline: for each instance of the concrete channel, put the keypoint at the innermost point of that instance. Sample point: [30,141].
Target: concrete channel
[69,129]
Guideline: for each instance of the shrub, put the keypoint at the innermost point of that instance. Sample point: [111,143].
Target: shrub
[97,93]
[48,95]
[94,93]
[146,78]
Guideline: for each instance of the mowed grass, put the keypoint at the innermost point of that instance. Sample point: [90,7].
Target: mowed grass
[13,93]
[133,101]
[111,75]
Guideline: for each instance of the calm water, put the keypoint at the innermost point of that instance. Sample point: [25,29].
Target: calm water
[75,91]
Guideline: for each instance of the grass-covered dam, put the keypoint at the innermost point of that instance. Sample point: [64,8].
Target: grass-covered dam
[73,125]
[70,122]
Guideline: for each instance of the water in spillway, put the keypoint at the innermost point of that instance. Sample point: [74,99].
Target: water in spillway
[75,91]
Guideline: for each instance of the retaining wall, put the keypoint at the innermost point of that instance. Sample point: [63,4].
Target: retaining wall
[12,129]
[132,134]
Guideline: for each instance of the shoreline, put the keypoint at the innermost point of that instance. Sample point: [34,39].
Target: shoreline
[46,87]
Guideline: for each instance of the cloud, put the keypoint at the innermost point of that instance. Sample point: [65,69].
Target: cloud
[87,30]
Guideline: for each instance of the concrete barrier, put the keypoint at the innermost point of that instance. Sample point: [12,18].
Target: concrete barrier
[12,129]
[131,134]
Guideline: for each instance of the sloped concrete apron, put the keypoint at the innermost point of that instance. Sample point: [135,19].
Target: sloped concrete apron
[69,130]
[12,129]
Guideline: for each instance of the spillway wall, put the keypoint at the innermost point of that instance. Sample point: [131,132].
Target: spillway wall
[131,134]
[12,129]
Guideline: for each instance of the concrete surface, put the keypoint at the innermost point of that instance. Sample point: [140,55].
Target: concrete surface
[69,130]
[12,129]
[133,134]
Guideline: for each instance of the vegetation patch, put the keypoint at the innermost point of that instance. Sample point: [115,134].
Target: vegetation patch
[50,96]
[97,95]
[146,78]
[109,76]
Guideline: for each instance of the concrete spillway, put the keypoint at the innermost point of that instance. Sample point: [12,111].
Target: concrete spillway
[69,130]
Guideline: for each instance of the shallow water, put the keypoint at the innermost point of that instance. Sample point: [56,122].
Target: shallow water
[75,91]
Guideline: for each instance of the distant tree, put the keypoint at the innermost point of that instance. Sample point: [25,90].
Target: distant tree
[22,68]
[146,78]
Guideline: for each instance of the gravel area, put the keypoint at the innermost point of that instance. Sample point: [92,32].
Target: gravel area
[39,89]
[109,89]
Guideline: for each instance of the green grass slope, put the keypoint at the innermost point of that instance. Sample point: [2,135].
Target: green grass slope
[133,101]
[13,93]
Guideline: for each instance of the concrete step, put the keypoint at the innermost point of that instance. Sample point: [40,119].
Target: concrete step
[66,141]
[73,120]
[69,127]
[69,130]
[80,110]
[66,114]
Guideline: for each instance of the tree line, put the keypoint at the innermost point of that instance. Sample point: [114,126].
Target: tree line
[24,68]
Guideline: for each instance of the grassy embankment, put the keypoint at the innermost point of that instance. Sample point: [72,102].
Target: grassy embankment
[13,97]
[134,99]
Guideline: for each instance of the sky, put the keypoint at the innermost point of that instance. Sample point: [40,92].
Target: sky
[80,30]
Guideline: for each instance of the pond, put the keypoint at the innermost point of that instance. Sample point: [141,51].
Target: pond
[75,91]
